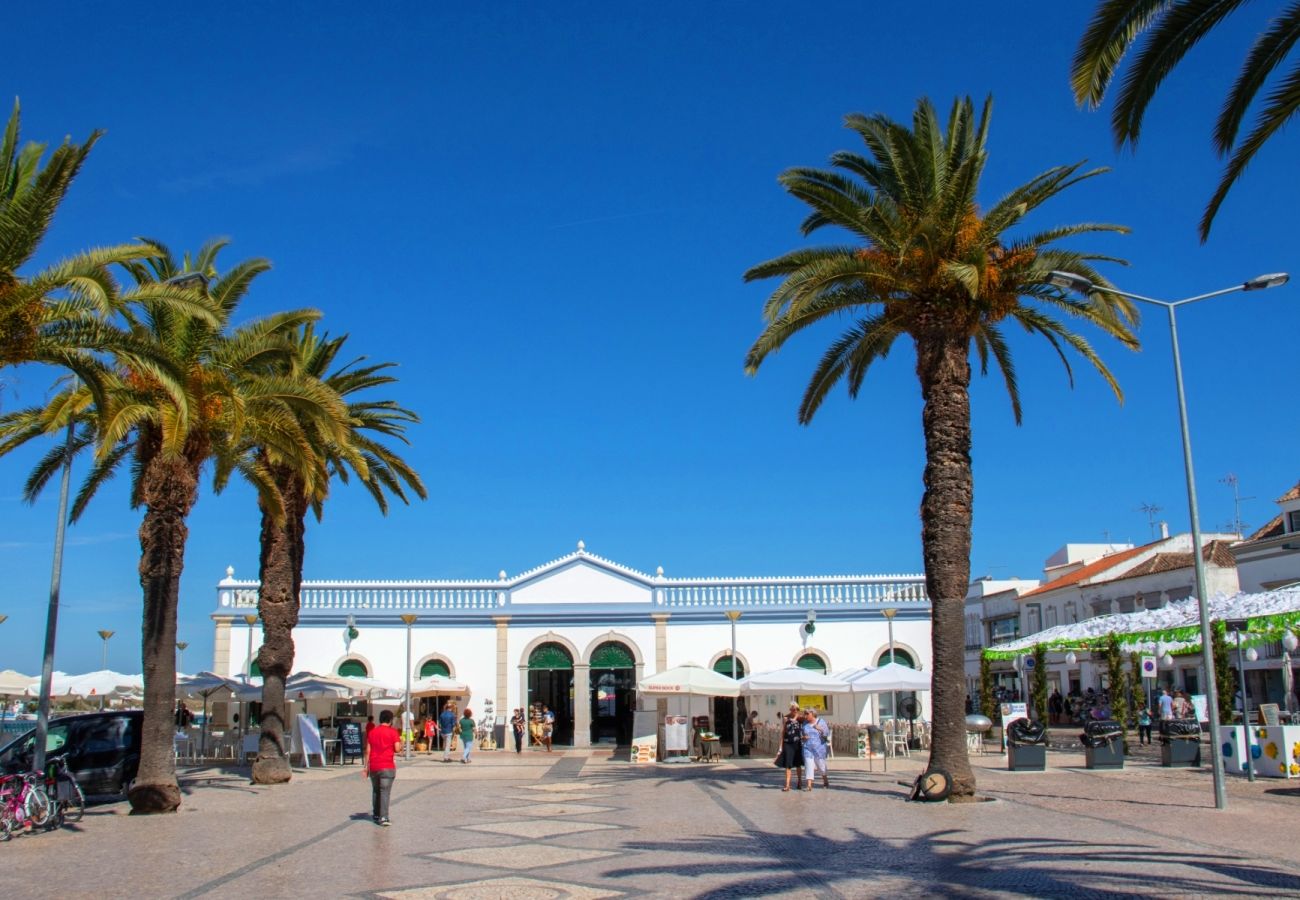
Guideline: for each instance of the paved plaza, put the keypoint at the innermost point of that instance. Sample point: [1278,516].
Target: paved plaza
[582,825]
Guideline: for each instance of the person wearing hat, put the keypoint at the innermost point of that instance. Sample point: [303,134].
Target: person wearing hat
[790,757]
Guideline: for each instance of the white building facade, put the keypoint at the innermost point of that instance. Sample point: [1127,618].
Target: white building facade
[578,633]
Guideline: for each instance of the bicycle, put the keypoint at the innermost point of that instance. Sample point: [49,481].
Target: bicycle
[69,801]
[23,802]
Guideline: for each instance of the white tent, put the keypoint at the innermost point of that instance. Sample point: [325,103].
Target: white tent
[104,683]
[690,679]
[793,680]
[14,683]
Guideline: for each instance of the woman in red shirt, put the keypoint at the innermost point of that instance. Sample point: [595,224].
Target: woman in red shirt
[380,764]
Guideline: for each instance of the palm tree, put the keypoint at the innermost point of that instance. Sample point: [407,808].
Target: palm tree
[169,429]
[1168,29]
[302,483]
[925,263]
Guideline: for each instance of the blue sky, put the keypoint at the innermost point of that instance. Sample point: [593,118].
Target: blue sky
[542,212]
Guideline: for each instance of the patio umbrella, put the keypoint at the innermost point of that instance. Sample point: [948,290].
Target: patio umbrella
[104,683]
[793,680]
[690,679]
[208,684]
[438,686]
[15,683]
[890,677]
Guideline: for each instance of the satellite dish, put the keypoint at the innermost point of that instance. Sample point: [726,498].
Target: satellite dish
[909,708]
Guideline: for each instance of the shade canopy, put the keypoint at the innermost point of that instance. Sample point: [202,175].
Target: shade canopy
[438,686]
[889,677]
[793,680]
[690,679]
[104,683]
[210,684]
[309,686]
[13,683]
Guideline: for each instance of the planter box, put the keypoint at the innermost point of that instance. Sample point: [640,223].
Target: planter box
[1180,753]
[1110,756]
[1026,758]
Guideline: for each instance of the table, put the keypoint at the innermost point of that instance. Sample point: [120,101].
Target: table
[710,749]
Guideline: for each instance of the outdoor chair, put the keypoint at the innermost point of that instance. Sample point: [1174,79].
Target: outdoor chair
[896,738]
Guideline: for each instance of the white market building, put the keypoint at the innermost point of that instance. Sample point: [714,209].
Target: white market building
[578,633]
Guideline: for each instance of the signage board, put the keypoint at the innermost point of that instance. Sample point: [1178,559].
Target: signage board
[645,737]
[309,737]
[677,734]
[1270,713]
[1148,667]
[350,740]
[1200,707]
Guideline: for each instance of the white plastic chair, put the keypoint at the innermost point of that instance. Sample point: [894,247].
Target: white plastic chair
[896,738]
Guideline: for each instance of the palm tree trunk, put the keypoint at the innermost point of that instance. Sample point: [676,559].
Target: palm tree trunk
[169,490]
[279,570]
[943,366]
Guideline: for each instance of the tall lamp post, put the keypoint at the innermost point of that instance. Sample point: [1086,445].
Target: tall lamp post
[408,721]
[1238,626]
[180,647]
[250,620]
[893,695]
[1071,281]
[734,616]
[104,635]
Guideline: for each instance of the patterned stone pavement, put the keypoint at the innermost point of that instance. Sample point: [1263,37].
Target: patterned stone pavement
[581,825]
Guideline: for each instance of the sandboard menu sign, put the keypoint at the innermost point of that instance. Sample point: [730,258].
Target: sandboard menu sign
[309,738]
[350,740]
[645,737]
[677,736]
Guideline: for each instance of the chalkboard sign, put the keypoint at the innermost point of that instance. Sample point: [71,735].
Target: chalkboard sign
[350,740]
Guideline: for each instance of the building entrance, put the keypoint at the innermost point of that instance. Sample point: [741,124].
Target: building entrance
[613,693]
[550,683]
[726,712]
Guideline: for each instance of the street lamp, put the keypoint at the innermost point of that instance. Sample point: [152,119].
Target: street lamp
[104,635]
[408,721]
[734,616]
[180,646]
[1238,626]
[893,695]
[1072,282]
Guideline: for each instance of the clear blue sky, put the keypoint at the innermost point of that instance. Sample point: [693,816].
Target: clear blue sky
[542,212]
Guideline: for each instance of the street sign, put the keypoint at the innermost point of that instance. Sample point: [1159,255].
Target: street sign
[1148,667]
[1029,662]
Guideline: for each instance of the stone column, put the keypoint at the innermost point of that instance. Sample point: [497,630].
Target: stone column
[661,654]
[581,705]
[221,645]
[502,623]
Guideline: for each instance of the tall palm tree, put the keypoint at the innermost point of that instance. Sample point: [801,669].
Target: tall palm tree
[169,429]
[925,263]
[1168,30]
[303,483]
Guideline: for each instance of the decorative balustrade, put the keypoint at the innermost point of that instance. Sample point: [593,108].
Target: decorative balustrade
[820,592]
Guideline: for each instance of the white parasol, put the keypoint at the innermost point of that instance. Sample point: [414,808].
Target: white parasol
[690,679]
[793,680]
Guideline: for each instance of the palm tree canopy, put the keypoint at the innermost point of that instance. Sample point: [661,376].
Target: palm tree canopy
[1165,31]
[927,262]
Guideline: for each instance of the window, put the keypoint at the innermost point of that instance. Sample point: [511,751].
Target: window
[1051,617]
[813,662]
[1004,629]
[1034,617]
[723,666]
[1293,521]
[1071,613]
[353,668]
[434,667]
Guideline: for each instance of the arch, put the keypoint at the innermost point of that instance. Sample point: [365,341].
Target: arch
[613,637]
[353,668]
[370,667]
[905,653]
[742,667]
[803,658]
[434,658]
[550,656]
[612,655]
[549,638]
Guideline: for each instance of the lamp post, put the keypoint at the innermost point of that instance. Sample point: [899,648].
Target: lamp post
[180,647]
[1238,626]
[734,616]
[893,695]
[408,721]
[250,619]
[104,635]
[1071,281]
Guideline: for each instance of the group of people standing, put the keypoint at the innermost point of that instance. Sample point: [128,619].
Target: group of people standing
[805,746]
[541,726]
[383,742]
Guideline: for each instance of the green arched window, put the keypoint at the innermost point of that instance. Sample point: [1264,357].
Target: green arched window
[550,656]
[254,671]
[612,655]
[353,668]
[812,662]
[435,667]
[902,657]
[723,666]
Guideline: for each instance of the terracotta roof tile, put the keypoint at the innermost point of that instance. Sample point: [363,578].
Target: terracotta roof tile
[1093,568]
[1215,553]
[1293,494]
[1271,529]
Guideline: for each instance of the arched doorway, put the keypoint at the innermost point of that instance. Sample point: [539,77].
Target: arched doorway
[435,667]
[613,686]
[432,706]
[903,658]
[550,682]
[353,668]
[725,711]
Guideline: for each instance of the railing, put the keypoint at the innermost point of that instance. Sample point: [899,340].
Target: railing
[822,593]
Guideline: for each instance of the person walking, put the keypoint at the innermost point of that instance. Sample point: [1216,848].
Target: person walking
[379,764]
[1182,707]
[446,728]
[517,725]
[430,734]
[467,735]
[1166,705]
[548,727]
[815,737]
[1144,726]
[791,756]
[1055,706]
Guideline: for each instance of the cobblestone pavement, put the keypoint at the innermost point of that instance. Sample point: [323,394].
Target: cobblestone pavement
[581,825]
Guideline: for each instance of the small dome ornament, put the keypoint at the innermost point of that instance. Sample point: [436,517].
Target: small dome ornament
[659,572]
[582,546]
[501,576]
[230,571]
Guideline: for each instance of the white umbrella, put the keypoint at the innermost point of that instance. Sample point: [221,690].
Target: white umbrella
[793,680]
[437,686]
[14,683]
[104,683]
[889,677]
[306,685]
[207,684]
[690,679]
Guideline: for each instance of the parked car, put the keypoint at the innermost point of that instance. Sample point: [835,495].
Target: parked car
[103,749]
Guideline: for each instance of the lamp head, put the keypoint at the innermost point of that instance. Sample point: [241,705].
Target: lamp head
[1289,641]
[1071,658]
[1251,654]
[1069,281]
[106,634]
[1264,282]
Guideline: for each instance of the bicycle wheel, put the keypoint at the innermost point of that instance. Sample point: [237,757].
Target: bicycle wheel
[38,806]
[73,806]
[6,826]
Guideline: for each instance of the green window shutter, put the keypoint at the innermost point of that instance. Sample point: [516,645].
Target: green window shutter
[612,656]
[902,657]
[255,671]
[812,662]
[353,668]
[723,667]
[550,656]
[435,667]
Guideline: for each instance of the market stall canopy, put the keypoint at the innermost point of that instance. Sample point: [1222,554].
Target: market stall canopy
[793,680]
[690,679]
[104,683]
[438,686]
[15,683]
[1268,616]
[889,677]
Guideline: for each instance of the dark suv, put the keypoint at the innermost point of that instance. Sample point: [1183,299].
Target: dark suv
[103,749]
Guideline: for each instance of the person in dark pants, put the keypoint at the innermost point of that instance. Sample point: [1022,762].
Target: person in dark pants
[791,756]
[380,764]
[517,725]
[446,729]
[1144,726]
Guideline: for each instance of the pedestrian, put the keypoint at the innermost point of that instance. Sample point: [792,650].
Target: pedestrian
[548,727]
[790,756]
[380,764]
[1055,706]
[1144,726]
[751,730]
[467,735]
[1166,705]
[1182,707]
[430,733]
[815,737]
[447,730]
[370,725]
[517,726]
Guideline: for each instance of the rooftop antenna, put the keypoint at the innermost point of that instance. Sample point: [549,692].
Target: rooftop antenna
[1238,527]
[1151,510]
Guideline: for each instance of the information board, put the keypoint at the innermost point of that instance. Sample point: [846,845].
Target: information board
[1271,714]
[1200,707]
[350,740]
[309,739]
[1011,712]
[677,736]
[645,737]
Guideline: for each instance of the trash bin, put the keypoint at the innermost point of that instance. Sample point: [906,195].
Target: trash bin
[1026,746]
[1180,743]
[1103,743]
